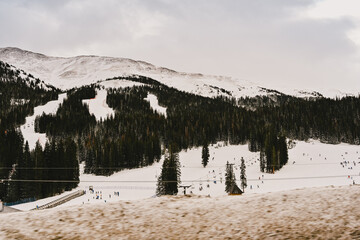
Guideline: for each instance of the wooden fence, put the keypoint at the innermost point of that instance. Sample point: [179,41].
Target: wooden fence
[61,200]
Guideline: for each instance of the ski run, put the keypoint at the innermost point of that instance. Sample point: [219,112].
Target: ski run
[311,164]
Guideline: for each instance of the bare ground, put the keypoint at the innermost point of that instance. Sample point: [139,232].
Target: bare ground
[316,213]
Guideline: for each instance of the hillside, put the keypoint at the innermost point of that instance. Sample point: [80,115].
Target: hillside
[311,164]
[66,73]
[315,213]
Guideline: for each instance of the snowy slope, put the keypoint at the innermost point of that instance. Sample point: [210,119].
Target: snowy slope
[29,79]
[98,106]
[71,72]
[154,104]
[311,164]
[28,129]
[315,213]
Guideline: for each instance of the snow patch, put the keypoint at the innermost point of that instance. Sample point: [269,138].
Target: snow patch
[119,83]
[154,104]
[14,101]
[98,106]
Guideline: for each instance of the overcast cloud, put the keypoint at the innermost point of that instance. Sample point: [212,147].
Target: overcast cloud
[300,43]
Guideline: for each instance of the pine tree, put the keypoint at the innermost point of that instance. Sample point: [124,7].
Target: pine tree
[243,175]
[205,155]
[38,159]
[47,187]
[169,179]
[273,159]
[268,153]
[71,163]
[229,178]
[27,188]
[283,151]
[262,161]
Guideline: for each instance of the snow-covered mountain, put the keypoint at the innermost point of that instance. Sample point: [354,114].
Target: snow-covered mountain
[27,78]
[71,72]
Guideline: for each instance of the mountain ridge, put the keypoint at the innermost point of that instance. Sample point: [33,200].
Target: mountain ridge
[68,72]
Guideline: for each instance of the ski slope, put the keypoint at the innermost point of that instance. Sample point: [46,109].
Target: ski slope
[311,164]
[28,129]
[98,105]
[154,104]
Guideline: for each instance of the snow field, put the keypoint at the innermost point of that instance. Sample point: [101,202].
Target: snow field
[119,83]
[307,167]
[28,129]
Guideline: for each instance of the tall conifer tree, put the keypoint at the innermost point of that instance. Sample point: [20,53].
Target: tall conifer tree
[243,174]
[169,179]
[205,155]
[229,177]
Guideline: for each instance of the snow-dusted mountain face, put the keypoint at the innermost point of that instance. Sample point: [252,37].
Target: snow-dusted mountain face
[77,71]
[66,73]
[27,78]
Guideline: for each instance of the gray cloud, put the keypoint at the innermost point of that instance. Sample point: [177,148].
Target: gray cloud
[257,40]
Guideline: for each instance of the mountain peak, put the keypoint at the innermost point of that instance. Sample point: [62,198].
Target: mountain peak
[17,52]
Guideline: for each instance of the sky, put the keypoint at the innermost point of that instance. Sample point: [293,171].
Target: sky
[311,44]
